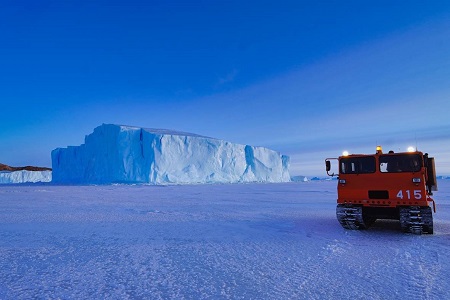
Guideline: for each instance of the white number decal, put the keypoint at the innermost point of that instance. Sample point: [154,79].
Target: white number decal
[417,194]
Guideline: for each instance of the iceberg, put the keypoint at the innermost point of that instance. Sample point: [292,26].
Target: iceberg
[24,176]
[126,154]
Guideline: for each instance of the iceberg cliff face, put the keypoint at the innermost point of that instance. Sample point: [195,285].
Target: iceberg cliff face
[23,176]
[124,154]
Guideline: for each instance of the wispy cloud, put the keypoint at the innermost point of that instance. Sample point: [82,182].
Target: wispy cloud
[230,77]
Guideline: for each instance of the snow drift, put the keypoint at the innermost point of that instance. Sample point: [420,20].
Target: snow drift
[124,154]
[24,176]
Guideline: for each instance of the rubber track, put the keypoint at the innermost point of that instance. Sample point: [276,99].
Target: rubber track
[350,217]
[416,219]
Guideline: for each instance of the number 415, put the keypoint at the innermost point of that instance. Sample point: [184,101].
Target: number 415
[417,194]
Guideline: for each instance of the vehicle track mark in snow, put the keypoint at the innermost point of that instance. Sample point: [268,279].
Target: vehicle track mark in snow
[420,265]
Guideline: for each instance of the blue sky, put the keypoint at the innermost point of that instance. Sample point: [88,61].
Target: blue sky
[306,78]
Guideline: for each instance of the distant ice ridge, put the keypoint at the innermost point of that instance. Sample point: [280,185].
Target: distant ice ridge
[25,176]
[299,178]
[125,154]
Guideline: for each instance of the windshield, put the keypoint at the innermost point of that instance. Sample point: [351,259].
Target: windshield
[357,165]
[400,163]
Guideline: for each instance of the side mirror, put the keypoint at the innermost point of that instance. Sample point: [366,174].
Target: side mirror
[328,165]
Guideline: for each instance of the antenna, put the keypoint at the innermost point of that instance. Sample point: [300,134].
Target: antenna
[415,138]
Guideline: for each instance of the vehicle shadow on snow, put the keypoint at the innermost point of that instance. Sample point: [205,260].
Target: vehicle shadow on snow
[329,226]
[386,226]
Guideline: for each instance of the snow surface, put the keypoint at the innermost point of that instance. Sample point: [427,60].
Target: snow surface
[24,176]
[125,154]
[223,241]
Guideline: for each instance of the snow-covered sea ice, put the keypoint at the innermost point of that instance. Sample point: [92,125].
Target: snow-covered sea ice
[221,241]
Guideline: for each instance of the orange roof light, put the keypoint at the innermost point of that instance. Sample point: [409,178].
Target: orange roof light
[379,149]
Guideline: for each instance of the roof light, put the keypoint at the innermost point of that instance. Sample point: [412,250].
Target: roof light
[379,149]
[345,153]
[411,149]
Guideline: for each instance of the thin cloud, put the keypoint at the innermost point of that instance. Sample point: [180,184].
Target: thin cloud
[228,78]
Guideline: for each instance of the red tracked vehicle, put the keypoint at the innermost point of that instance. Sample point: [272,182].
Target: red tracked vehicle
[386,186]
